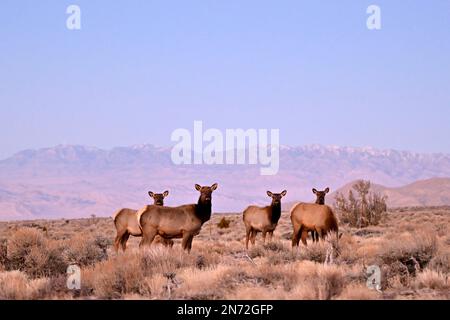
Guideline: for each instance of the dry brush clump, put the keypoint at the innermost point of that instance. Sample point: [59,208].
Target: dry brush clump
[86,251]
[365,209]
[318,281]
[16,285]
[432,280]
[31,251]
[406,257]
[224,223]
[133,271]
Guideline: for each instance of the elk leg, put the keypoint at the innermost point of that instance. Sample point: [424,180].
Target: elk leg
[189,244]
[147,237]
[124,240]
[320,234]
[168,242]
[295,237]
[264,237]
[253,236]
[118,239]
[317,236]
[304,235]
[185,242]
[270,236]
[248,231]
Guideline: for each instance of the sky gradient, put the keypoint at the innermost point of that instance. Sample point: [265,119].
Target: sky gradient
[137,70]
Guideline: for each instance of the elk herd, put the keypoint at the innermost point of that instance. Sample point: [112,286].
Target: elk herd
[159,223]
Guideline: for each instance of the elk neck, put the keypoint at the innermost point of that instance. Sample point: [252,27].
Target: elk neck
[318,201]
[203,210]
[276,211]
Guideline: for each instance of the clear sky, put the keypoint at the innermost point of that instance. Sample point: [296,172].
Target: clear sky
[137,70]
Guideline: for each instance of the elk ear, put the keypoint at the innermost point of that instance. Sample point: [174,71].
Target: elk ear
[166,193]
[283,193]
[198,187]
[151,194]
[327,190]
[314,191]
[214,187]
[270,194]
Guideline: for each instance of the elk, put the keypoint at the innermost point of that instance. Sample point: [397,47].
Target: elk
[262,219]
[176,222]
[306,217]
[319,200]
[126,223]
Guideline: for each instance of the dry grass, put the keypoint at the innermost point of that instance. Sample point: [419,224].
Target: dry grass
[16,285]
[412,247]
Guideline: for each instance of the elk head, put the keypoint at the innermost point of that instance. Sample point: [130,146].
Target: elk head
[276,197]
[158,198]
[321,195]
[205,192]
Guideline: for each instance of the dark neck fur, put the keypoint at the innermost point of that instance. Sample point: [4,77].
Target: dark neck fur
[276,212]
[203,210]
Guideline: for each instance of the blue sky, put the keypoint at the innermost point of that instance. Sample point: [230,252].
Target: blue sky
[137,70]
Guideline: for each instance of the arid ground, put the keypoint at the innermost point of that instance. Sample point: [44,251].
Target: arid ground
[411,246]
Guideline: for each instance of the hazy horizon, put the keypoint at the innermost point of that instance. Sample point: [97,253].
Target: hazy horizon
[168,147]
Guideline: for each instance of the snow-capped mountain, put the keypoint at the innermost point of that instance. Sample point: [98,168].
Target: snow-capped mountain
[69,181]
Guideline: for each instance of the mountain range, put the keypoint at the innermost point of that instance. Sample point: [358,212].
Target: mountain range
[80,181]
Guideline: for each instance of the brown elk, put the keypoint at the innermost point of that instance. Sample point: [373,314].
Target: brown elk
[306,217]
[319,200]
[263,219]
[176,222]
[126,223]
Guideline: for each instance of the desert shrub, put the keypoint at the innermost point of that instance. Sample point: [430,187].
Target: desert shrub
[127,273]
[415,252]
[440,263]
[256,251]
[86,251]
[318,281]
[224,223]
[364,209]
[111,279]
[21,244]
[3,253]
[314,252]
[162,260]
[274,246]
[280,258]
[403,258]
[194,284]
[432,279]
[331,282]
[345,250]
[29,251]
[15,285]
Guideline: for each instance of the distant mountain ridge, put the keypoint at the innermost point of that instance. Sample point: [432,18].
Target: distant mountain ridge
[77,181]
[429,192]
